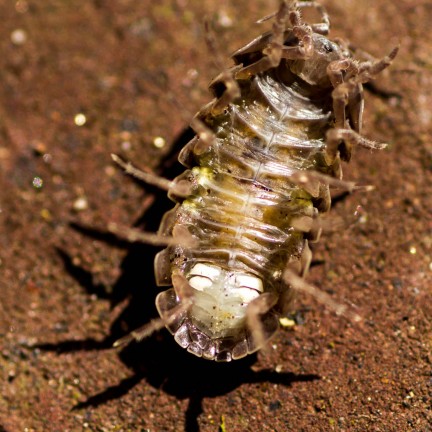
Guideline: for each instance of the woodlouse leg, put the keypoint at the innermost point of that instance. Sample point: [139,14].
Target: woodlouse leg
[348,101]
[324,200]
[337,68]
[141,332]
[322,27]
[306,259]
[175,188]
[229,94]
[181,236]
[355,107]
[358,75]
[149,178]
[342,140]
[258,307]
[314,234]
[206,137]
[316,225]
[311,182]
[275,49]
[348,98]
[368,70]
[272,53]
[345,93]
[231,89]
[296,282]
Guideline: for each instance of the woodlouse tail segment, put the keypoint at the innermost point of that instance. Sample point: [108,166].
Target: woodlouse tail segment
[296,282]
[173,307]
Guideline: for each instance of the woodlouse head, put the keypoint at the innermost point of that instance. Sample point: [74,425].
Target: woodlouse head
[313,70]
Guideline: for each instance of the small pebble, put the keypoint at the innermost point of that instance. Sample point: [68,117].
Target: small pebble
[80,119]
[159,142]
[80,204]
[37,182]
[286,322]
[18,37]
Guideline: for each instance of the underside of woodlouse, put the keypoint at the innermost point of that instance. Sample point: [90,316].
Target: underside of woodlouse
[259,169]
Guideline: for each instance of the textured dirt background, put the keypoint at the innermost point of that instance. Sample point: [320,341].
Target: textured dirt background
[69,289]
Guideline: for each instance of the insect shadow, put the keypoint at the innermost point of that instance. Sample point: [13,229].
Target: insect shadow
[158,359]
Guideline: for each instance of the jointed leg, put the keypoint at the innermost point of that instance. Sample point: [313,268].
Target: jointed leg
[348,102]
[298,283]
[322,27]
[306,259]
[254,312]
[346,94]
[369,69]
[311,182]
[174,188]
[342,140]
[181,236]
[275,49]
[347,78]
[226,78]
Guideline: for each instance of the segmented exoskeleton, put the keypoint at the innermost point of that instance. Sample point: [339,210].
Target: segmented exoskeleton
[266,151]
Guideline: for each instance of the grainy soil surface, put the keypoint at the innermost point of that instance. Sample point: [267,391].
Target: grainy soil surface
[82,79]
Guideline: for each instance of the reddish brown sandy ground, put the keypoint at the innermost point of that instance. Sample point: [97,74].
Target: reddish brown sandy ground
[68,289]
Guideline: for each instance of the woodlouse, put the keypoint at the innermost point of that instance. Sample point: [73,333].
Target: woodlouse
[267,149]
